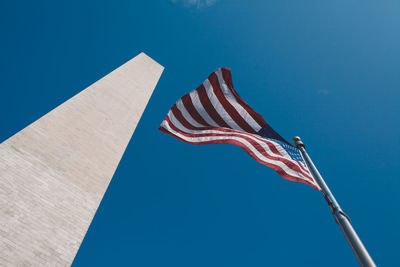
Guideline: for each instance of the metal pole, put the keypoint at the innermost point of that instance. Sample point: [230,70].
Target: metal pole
[341,218]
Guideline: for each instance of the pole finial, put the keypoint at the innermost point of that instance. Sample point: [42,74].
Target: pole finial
[297,141]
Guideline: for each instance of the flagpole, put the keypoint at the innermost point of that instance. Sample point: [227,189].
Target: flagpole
[341,218]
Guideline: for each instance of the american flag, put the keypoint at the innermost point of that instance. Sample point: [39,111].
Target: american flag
[215,114]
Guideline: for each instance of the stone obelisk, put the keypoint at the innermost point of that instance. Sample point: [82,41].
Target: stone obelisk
[54,173]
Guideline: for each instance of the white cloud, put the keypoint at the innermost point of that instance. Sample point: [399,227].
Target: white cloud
[195,3]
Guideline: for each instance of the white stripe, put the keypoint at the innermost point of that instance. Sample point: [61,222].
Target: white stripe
[233,137]
[231,98]
[305,170]
[284,167]
[200,109]
[280,148]
[187,115]
[286,155]
[306,167]
[263,142]
[176,122]
[218,106]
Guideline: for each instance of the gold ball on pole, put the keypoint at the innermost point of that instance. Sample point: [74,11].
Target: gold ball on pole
[296,139]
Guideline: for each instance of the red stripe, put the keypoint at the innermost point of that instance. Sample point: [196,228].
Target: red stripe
[278,169]
[209,108]
[228,106]
[187,102]
[226,74]
[256,145]
[303,168]
[178,115]
[298,163]
[270,144]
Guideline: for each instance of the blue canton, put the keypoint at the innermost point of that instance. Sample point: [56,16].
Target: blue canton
[293,152]
[268,133]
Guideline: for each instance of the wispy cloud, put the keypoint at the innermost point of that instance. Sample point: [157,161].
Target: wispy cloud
[324,92]
[195,3]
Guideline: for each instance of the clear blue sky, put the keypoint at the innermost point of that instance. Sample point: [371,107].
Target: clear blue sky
[327,71]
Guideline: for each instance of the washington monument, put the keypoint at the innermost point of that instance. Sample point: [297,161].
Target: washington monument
[55,172]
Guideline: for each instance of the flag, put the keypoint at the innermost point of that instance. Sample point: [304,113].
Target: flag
[215,114]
